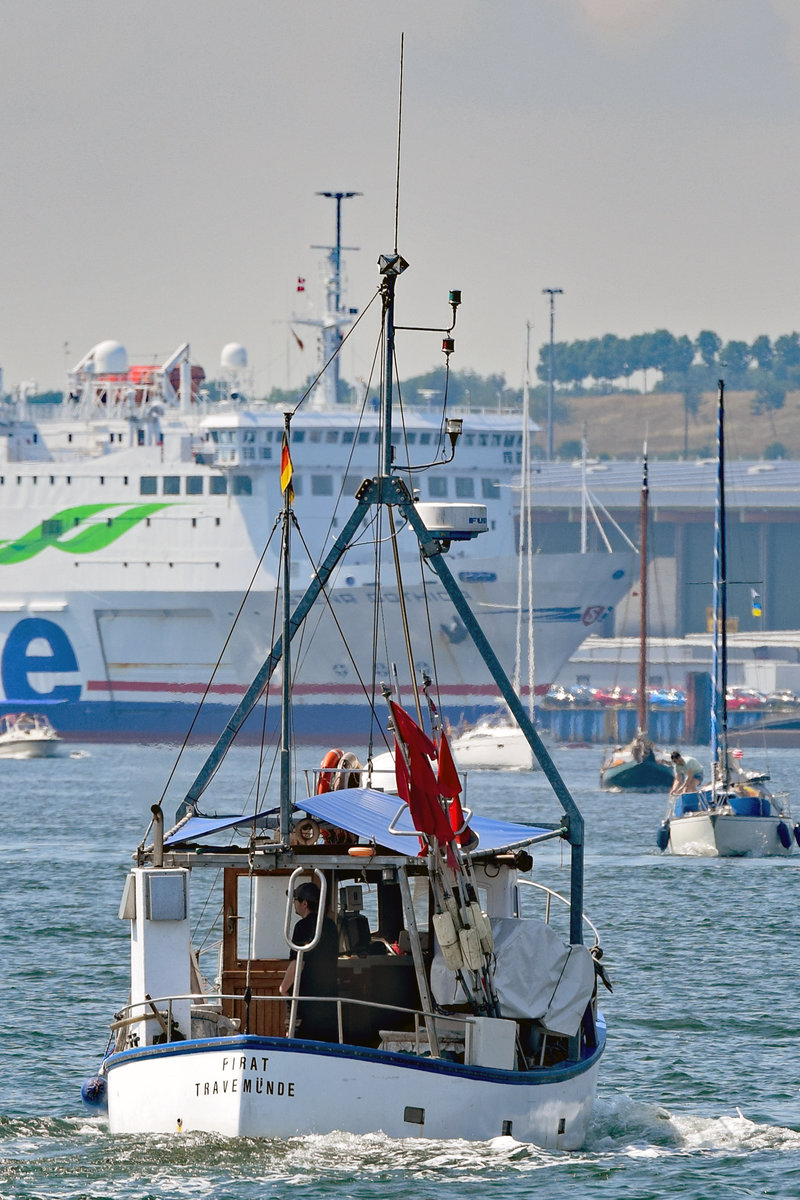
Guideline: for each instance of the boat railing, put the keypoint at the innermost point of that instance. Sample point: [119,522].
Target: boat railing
[210,1005]
[549,896]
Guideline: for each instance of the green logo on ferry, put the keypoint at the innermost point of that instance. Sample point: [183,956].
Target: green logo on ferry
[67,530]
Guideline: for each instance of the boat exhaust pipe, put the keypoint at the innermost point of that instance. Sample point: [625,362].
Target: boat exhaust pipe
[158,835]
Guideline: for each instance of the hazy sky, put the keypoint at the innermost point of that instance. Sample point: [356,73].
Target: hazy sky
[159,162]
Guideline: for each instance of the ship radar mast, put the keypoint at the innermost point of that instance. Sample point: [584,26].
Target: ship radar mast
[336,317]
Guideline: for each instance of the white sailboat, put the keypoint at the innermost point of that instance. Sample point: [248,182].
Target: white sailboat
[449,1010]
[736,814]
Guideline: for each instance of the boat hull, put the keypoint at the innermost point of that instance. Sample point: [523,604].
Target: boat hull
[726,835]
[276,1088]
[629,776]
[31,748]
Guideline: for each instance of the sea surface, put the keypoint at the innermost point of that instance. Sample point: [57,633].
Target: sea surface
[699,1091]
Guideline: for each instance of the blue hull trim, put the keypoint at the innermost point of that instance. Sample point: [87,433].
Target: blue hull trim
[169,722]
[248,1043]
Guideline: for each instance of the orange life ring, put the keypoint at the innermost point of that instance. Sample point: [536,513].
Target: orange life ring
[327,766]
[361,851]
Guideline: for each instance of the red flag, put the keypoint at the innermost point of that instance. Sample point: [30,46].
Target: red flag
[416,784]
[450,786]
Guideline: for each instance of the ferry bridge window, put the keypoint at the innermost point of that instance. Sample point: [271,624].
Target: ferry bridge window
[248,435]
[424,439]
[411,437]
[266,451]
[148,485]
[348,436]
[437,486]
[139,437]
[508,457]
[315,435]
[242,485]
[465,487]
[171,485]
[363,437]
[194,485]
[509,439]
[490,489]
[332,435]
[321,485]
[298,435]
[249,452]
[218,485]
[495,439]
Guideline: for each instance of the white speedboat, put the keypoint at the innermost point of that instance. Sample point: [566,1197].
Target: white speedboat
[494,743]
[736,814]
[418,995]
[28,735]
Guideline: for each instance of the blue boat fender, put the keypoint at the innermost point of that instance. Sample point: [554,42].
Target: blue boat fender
[797,834]
[94,1093]
[785,834]
[662,838]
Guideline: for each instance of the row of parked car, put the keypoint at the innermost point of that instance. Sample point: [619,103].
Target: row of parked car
[583,696]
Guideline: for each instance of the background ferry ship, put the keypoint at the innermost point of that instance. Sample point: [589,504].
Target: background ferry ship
[134,517]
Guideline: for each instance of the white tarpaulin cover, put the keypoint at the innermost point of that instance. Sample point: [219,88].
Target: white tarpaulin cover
[537,975]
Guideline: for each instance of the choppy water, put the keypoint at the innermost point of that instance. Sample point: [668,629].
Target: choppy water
[699,1091]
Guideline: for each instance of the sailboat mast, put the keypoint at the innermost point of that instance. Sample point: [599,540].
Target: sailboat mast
[719,704]
[642,697]
[286,684]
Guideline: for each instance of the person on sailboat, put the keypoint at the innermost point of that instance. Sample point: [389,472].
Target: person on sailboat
[319,971]
[688,774]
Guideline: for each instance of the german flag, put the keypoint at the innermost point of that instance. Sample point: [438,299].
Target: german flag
[287,470]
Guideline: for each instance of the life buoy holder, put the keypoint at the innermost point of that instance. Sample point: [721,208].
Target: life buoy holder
[328,765]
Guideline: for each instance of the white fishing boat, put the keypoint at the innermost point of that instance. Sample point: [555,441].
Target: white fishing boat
[133,514]
[28,735]
[423,997]
[736,814]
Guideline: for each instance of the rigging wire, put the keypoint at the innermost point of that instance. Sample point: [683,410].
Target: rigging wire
[217,664]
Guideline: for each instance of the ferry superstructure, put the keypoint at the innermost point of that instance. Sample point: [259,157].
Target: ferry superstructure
[134,517]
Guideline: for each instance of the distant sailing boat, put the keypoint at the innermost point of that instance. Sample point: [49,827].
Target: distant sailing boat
[736,814]
[639,766]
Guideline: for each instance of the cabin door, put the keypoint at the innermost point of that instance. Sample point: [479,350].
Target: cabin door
[254,907]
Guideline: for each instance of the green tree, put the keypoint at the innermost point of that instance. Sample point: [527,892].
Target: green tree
[776,450]
[735,358]
[762,353]
[708,345]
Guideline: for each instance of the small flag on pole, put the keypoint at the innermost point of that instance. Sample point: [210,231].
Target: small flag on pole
[287,470]
[755,603]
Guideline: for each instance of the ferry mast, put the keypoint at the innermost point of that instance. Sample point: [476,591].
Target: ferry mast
[336,318]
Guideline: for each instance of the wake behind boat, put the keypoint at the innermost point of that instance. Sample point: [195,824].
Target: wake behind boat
[736,814]
[28,735]
[417,993]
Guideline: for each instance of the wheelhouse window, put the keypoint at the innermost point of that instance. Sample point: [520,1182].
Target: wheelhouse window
[242,485]
[490,489]
[194,485]
[171,485]
[465,487]
[148,485]
[218,485]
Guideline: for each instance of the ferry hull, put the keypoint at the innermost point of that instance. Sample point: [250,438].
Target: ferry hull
[271,1088]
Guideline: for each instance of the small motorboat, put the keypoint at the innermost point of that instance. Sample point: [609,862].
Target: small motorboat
[28,735]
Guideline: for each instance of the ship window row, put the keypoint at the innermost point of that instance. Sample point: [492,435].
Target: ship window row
[347,437]
[193,485]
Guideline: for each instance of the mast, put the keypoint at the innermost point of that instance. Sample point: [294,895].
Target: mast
[286,682]
[335,317]
[642,697]
[719,649]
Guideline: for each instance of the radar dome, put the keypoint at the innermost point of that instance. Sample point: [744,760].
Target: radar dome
[233,357]
[110,358]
